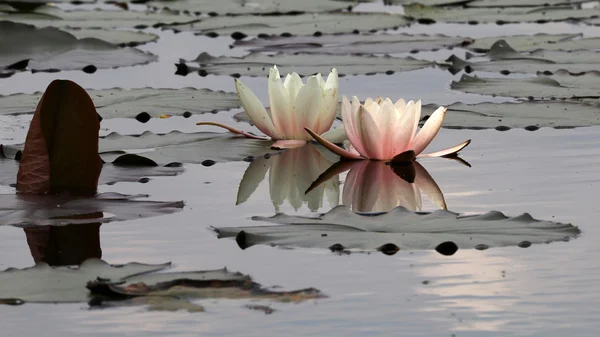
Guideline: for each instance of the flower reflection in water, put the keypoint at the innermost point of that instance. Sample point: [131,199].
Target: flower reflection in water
[290,175]
[373,186]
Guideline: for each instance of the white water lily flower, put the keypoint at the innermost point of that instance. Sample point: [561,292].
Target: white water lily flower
[383,130]
[294,106]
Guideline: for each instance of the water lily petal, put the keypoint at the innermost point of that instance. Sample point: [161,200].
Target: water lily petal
[234,130]
[405,129]
[292,84]
[386,123]
[332,147]
[307,106]
[429,130]
[348,118]
[255,110]
[288,144]
[332,80]
[320,81]
[336,136]
[282,113]
[446,152]
[328,110]
[370,135]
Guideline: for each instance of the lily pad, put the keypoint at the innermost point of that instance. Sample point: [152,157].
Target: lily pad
[117,37]
[49,16]
[343,230]
[50,49]
[522,3]
[303,24]
[141,104]
[353,44]
[503,58]
[561,84]
[45,210]
[255,7]
[257,64]
[526,43]
[98,282]
[499,15]
[428,2]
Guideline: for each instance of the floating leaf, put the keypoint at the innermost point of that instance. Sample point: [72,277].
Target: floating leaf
[500,15]
[50,49]
[256,7]
[561,84]
[116,37]
[526,43]
[43,210]
[503,58]
[522,3]
[303,24]
[257,64]
[102,283]
[50,16]
[141,104]
[427,2]
[341,229]
[61,149]
[353,44]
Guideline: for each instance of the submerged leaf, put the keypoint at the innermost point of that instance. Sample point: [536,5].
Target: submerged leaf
[50,49]
[61,149]
[141,104]
[254,64]
[341,229]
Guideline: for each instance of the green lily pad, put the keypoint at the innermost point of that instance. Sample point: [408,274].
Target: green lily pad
[343,230]
[501,15]
[50,49]
[258,64]
[526,43]
[303,24]
[522,3]
[105,285]
[561,84]
[25,210]
[141,104]
[116,37]
[353,44]
[255,7]
[503,58]
[48,16]
[428,2]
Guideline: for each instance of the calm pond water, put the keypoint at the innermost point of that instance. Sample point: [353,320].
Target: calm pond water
[544,290]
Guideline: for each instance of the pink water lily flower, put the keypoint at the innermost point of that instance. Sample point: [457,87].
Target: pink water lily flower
[294,106]
[386,131]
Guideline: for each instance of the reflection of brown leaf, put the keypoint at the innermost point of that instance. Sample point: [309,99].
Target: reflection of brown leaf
[61,149]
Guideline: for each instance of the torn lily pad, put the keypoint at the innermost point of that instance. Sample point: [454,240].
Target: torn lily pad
[255,7]
[141,104]
[302,24]
[503,58]
[99,282]
[49,49]
[561,84]
[24,210]
[343,230]
[499,15]
[256,64]
[353,44]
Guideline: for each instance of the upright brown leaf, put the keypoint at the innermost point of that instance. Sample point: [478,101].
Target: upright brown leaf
[61,149]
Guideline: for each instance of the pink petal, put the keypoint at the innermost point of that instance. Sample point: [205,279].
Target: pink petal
[307,108]
[332,147]
[370,135]
[282,113]
[234,130]
[405,130]
[255,110]
[428,131]
[385,123]
[447,152]
[288,144]
[349,123]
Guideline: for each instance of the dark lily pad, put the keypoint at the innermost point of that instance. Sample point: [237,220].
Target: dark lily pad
[353,44]
[303,24]
[256,7]
[258,64]
[103,284]
[49,16]
[348,231]
[499,15]
[561,84]
[503,58]
[48,210]
[522,3]
[50,49]
[527,43]
[136,103]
